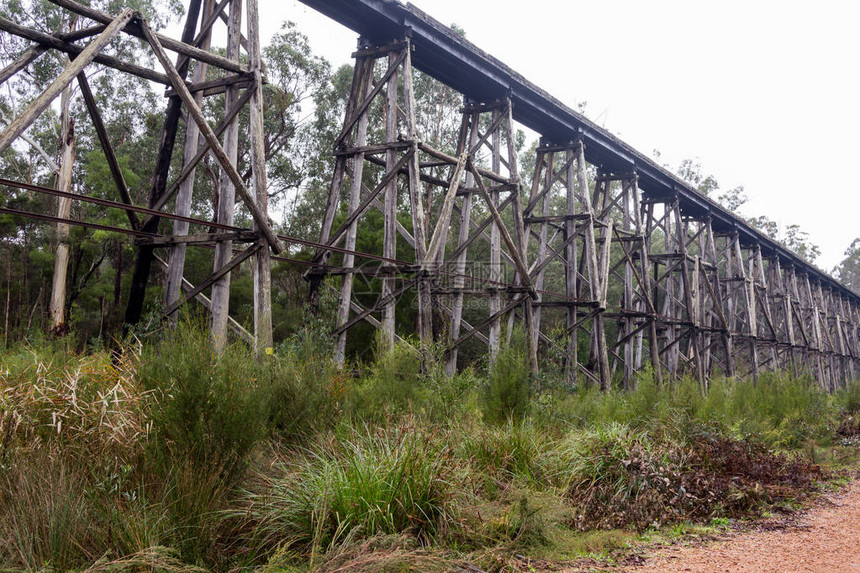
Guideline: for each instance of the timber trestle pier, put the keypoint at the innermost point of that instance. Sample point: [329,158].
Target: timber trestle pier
[606,262]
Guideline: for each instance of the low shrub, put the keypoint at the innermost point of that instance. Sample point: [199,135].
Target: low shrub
[210,412]
[619,476]
[782,410]
[507,392]
[304,395]
[390,387]
[848,398]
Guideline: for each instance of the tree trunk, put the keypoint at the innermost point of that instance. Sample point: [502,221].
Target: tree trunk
[64,207]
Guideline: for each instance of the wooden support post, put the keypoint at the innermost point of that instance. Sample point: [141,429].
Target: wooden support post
[689,284]
[363,81]
[598,335]
[226,193]
[495,274]
[262,260]
[359,72]
[543,178]
[176,257]
[419,221]
[628,302]
[521,237]
[468,137]
[389,240]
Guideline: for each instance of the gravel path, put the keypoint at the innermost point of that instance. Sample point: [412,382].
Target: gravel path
[826,539]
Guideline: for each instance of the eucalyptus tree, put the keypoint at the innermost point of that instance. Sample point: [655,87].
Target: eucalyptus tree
[848,271]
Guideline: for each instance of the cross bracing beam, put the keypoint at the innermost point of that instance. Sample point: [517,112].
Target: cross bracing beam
[453,60]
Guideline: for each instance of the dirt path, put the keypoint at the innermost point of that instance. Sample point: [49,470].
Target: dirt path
[826,539]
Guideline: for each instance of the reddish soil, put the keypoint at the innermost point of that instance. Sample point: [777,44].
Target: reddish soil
[825,539]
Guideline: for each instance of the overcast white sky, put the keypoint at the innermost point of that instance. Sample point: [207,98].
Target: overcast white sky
[764,93]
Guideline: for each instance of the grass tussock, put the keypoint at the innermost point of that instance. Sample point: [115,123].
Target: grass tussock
[391,480]
[88,405]
[168,457]
[518,450]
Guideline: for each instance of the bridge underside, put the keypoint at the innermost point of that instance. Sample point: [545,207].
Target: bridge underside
[605,262]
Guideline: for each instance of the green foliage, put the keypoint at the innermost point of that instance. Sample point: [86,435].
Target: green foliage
[799,241]
[371,481]
[391,386]
[306,390]
[447,398]
[783,410]
[516,450]
[305,395]
[143,459]
[211,410]
[848,271]
[848,397]
[506,394]
[210,413]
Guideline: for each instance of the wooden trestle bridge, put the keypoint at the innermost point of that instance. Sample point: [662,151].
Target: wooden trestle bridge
[604,258]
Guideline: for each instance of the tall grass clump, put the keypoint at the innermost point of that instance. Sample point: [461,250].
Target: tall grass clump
[517,450]
[48,521]
[71,429]
[390,387]
[88,406]
[507,392]
[447,398]
[372,481]
[210,412]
